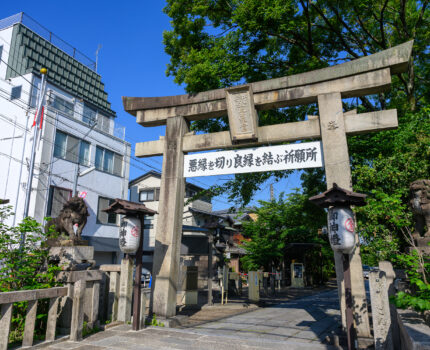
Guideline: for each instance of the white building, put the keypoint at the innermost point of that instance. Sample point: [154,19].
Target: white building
[70,142]
[146,189]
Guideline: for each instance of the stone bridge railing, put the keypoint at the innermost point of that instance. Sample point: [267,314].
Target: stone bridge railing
[33,296]
[87,295]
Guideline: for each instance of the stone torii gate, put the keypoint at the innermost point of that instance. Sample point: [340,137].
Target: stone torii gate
[327,87]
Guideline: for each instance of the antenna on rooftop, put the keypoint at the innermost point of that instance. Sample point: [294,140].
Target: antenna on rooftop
[97,55]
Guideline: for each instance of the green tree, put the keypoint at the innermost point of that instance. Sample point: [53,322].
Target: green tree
[219,43]
[25,267]
[386,179]
[279,222]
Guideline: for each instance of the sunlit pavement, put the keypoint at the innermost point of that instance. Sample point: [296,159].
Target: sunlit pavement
[297,324]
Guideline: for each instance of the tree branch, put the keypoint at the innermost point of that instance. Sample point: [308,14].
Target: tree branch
[366,103]
[353,35]
[334,30]
[420,18]
[381,25]
[402,14]
[310,44]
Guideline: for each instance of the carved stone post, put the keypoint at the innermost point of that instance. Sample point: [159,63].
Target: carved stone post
[125,290]
[337,170]
[382,327]
[169,226]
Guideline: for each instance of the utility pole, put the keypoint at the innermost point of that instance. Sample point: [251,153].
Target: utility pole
[77,175]
[271,192]
[78,168]
[37,128]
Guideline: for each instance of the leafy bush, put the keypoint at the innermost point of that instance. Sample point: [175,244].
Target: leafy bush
[24,267]
[418,270]
[154,322]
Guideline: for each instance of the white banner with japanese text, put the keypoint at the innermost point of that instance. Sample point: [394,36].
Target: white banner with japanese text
[282,157]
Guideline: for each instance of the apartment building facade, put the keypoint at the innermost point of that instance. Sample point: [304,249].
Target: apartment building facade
[197,214]
[79,132]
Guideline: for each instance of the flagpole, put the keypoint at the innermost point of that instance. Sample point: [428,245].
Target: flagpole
[36,123]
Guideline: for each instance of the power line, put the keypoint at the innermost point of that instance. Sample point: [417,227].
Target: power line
[87,134]
[74,112]
[69,126]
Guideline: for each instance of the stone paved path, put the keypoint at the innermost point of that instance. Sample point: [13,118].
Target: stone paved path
[297,324]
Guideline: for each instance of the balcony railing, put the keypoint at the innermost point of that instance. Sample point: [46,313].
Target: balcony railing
[36,27]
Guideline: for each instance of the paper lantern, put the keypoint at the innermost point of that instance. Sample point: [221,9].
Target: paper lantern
[129,234]
[341,229]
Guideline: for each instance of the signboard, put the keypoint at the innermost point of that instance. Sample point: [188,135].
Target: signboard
[242,116]
[282,157]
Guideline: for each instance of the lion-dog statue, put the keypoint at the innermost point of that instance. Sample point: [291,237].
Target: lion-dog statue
[72,219]
[419,201]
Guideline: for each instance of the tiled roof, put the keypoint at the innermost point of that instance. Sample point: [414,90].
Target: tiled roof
[29,52]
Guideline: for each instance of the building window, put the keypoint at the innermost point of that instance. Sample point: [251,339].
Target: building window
[71,148]
[89,115]
[146,195]
[108,161]
[15,93]
[103,217]
[103,123]
[190,193]
[148,226]
[84,153]
[56,200]
[63,106]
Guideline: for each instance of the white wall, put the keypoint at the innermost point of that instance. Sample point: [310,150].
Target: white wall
[16,118]
[188,217]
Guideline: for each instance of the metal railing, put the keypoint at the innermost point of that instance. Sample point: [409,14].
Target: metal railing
[40,30]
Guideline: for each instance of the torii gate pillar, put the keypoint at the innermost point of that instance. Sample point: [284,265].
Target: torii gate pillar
[337,170]
[169,225]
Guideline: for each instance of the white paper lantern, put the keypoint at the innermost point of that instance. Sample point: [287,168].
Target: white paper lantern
[129,234]
[341,229]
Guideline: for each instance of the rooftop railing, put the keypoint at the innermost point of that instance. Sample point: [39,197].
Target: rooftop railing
[36,27]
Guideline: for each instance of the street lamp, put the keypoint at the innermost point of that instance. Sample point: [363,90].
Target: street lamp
[341,230]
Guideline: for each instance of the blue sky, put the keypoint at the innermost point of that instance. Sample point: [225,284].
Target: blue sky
[131,62]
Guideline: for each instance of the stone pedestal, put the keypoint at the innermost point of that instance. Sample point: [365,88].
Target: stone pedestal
[73,258]
[75,262]
[423,245]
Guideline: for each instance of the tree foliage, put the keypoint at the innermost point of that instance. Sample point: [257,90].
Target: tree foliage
[25,267]
[220,43]
[280,222]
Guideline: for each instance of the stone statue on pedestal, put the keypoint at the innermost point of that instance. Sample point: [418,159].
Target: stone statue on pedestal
[72,219]
[419,200]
